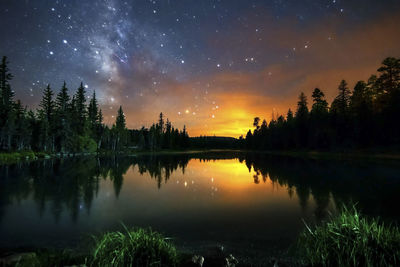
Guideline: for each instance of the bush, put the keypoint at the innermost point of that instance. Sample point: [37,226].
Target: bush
[350,239]
[83,143]
[9,157]
[135,247]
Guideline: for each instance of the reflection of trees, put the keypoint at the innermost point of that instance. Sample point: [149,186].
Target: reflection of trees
[70,185]
[374,187]
[160,167]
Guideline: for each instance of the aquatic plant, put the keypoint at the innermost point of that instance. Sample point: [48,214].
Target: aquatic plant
[133,247]
[350,239]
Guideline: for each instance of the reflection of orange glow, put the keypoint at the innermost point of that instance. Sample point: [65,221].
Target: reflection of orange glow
[231,175]
[215,184]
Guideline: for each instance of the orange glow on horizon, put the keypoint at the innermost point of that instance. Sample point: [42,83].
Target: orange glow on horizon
[224,103]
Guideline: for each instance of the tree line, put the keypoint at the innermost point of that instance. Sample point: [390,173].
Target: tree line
[367,116]
[67,124]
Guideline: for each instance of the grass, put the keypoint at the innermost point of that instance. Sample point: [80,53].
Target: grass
[350,239]
[41,257]
[133,247]
[12,157]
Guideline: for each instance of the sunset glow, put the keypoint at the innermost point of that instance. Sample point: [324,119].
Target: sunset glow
[212,75]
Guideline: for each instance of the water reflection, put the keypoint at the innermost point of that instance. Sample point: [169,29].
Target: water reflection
[224,192]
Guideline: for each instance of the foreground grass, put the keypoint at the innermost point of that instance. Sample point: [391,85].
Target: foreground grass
[350,239]
[133,247]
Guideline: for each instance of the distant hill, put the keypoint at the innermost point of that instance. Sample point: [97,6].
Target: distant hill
[214,142]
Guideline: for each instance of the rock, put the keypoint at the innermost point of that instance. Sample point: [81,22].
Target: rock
[198,260]
[231,261]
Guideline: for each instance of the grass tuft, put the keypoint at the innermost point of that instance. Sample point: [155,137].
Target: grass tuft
[133,247]
[350,239]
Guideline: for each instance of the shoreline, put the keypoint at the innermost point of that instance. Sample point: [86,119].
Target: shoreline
[7,158]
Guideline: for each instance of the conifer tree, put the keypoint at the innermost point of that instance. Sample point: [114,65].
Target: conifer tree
[46,117]
[341,103]
[80,107]
[320,106]
[93,113]
[319,138]
[7,115]
[23,130]
[389,78]
[302,121]
[119,129]
[63,119]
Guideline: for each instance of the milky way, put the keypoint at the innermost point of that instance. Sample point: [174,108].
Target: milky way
[211,65]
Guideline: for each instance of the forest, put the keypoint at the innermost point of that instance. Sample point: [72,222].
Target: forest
[67,124]
[366,117]
[361,118]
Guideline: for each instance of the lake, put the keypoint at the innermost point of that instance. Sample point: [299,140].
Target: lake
[250,203]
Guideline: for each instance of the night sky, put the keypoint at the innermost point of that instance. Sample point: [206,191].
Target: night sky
[212,65]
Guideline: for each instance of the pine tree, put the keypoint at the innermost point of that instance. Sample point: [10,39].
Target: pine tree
[46,117]
[93,114]
[63,119]
[340,115]
[119,130]
[120,120]
[389,78]
[47,104]
[302,121]
[289,116]
[256,123]
[185,138]
[289,132]
[23,130]
[249,140]
[99,129]
[320,106]
[80,106]
[302,108]
[62,99]
[341,103]
[161,123]
[5,78]
[319,138]
[361,111]
[388,86]
[7,115]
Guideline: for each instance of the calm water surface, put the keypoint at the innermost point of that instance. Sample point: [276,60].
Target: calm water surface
[242,201]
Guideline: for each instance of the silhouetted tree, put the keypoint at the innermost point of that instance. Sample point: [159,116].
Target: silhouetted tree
[7,115]
[63,119]
[46,118]
[301,120]
[319,120]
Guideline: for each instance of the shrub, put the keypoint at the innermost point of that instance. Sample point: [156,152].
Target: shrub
[350,239]
[135,247]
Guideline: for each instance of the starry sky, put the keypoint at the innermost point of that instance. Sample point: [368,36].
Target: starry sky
[212,65]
